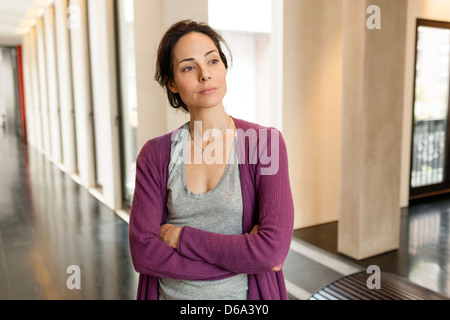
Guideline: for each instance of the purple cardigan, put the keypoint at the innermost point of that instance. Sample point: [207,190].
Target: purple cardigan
[202,255]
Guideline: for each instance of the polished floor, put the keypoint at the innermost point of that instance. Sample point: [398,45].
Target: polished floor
[424,253]
[49,223]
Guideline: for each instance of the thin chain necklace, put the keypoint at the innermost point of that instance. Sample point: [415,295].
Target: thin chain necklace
[223,131]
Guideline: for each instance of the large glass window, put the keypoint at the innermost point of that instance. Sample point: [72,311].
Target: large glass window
[429,167]
[128,103]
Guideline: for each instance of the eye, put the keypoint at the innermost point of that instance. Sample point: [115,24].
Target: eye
[188,68]
[214,61]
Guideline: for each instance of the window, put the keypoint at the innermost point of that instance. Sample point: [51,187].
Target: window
[430,146]
[254,35]
[128,96]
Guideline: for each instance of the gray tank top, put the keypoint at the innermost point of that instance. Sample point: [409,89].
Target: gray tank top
[219,210]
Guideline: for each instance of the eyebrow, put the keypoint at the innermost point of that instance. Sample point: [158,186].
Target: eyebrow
[192,59]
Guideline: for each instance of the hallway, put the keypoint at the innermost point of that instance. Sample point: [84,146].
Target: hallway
[48,222]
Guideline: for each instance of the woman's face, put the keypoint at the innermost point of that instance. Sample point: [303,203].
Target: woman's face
[199,73]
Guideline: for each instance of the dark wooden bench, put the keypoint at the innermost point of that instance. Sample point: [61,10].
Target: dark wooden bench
[393,287]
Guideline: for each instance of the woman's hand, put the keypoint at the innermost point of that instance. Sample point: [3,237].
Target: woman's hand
[169,234]
[255,230]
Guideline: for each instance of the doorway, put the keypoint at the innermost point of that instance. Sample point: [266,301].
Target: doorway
[430,154]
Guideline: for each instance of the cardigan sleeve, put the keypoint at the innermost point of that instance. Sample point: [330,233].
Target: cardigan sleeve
[149,254]
[266,249]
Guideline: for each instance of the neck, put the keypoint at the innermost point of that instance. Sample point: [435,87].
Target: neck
[210,118]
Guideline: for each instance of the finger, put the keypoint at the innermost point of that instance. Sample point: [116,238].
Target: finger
[277,268]
[255,229]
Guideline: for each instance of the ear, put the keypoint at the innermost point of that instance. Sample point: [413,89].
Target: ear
[172,87]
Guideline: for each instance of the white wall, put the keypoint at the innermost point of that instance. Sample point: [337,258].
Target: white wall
[312,94]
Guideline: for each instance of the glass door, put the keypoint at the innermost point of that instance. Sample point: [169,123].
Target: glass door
[430,139]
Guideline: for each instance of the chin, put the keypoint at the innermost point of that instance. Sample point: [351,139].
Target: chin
[211,103]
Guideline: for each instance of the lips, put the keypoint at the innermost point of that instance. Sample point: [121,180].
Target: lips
[208,91]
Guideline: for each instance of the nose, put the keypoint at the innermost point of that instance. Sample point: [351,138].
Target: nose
[204,74]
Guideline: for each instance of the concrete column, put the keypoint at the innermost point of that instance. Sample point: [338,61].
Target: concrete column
[373,74]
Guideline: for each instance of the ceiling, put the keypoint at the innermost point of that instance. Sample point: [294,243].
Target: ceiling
[11,12]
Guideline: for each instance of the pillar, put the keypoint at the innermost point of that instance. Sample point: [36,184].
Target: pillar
[372,100]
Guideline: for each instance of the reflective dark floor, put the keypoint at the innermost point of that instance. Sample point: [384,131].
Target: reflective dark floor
[48,223]
[424,253]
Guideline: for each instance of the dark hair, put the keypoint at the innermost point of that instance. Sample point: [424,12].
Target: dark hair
[164,63]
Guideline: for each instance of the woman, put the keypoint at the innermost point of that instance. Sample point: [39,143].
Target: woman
[202,229]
